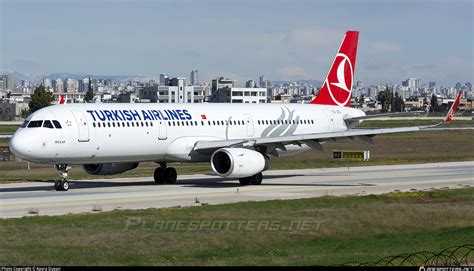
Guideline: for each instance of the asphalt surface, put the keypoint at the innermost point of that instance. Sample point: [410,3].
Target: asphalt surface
[40,198]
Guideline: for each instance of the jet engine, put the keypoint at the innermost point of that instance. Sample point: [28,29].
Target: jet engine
[238,162]
[109,168]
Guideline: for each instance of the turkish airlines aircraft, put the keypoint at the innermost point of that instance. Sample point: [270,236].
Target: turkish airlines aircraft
[237,139]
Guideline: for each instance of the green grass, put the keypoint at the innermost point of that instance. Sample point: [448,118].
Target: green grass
[351,229]
[8,129]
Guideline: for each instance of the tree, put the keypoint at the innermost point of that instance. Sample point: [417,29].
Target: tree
[385,97]
[90,93]
[399,103]
[434,103]
[361,100]
[382,99]
[40,98]
[24,113]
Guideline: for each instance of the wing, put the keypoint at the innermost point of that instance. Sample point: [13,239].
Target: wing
[314,140]
[6,136]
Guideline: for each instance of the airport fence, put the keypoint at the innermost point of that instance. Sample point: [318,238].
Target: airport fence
[452,256]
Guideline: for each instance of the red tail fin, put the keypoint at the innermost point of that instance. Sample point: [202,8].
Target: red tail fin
[337,87]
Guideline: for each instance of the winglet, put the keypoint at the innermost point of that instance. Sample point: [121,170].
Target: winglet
[451,111]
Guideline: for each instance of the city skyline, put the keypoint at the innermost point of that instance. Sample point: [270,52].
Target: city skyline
[240,40]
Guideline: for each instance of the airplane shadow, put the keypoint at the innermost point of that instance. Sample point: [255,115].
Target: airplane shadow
[211,182]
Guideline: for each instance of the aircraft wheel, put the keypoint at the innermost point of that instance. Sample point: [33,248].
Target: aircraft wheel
[64,186]
[159,175]
[256,179]
[171,175]
[244,181]
[57,185]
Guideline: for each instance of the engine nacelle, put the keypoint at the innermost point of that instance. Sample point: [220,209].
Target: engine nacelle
[109,168]
[238,162]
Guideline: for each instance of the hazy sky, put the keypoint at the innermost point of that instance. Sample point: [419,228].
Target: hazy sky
[431,40]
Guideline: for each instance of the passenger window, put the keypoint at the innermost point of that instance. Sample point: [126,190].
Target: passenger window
[48,124]
[35,124]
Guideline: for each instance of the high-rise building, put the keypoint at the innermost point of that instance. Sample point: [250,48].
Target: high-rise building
[175,92]
[163,79]
[71,85]
[7,81]
[262,81]
[431,84]
[58,85]
[84,85]
[221,82]
[48,85]
[193,78]
[250,84]
[412,83]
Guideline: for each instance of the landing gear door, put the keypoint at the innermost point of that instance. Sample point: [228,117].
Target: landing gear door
[162,130]
[83,128]
[249,124]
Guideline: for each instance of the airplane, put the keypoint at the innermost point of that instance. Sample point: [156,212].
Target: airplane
[236,139]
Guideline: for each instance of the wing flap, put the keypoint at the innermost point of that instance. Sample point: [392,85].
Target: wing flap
[304,138]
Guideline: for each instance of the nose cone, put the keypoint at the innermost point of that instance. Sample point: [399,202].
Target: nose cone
[20,145]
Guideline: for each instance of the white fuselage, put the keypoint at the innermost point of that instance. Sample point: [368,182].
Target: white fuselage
[108,133]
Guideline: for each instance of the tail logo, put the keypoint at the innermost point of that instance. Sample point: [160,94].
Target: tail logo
[342,80]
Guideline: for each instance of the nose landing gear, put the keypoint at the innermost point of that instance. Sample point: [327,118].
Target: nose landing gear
[62,184]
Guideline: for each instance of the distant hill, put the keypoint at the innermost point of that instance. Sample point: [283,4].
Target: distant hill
[311,82]
[37,78]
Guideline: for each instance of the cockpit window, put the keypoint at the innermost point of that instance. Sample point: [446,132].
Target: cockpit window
[35,124]
[48,124]
[56,124]
[23,125]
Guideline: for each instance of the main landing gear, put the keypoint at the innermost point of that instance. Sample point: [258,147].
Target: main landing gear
[62,184]
[165,175]
[254,180]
